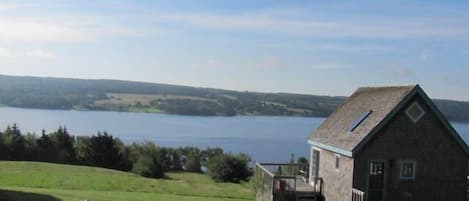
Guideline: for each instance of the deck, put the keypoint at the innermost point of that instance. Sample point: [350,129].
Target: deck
[286,182]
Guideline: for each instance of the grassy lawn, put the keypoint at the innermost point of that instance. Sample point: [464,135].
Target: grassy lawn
[53,182]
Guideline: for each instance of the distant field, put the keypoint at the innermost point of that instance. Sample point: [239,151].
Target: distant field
[130,101]
[125,99]
[52,182]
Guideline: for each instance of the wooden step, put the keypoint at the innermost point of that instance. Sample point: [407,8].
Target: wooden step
[308,196]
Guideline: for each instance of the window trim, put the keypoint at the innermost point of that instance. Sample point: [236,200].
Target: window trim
[415,104]
[414,170]
[311,173]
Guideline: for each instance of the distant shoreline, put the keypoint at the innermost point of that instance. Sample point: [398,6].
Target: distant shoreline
[138,112]
[139,97]
[163,113]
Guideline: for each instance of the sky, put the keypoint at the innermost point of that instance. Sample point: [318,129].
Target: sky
[310,47]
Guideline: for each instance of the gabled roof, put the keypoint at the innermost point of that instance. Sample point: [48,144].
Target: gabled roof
[384,102]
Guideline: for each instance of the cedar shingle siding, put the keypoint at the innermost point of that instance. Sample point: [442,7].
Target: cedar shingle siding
[338,185]
[441,164]
[389,135]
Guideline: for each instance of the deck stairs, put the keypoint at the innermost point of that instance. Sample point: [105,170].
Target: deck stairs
[308,196]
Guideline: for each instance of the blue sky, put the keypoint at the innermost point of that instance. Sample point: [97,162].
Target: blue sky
[312,47]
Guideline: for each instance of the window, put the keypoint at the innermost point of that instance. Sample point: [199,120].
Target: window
[407,170]
[359,120]
[415,112]
[315,163]
[337,162]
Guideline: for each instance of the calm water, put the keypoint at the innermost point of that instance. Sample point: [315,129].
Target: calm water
[269,139]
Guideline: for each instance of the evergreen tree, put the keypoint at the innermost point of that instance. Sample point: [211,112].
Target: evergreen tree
[31,148]
[46,148]
[3,148]
[64,145]
[104,152]
[14,143]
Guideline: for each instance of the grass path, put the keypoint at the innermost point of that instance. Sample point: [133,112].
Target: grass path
[79,183]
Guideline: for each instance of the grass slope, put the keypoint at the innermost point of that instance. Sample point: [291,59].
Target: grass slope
[54,182]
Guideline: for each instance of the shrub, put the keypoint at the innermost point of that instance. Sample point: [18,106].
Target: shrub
[229,168]
[193,163]
[147,166]
[147,160]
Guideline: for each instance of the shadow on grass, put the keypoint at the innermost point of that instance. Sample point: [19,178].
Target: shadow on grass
[8,195]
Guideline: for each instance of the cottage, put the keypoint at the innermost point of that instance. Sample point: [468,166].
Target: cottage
[389,144]
[382,144]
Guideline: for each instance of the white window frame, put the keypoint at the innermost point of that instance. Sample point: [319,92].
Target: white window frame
[313,148]
[414,170]
[415,104]
[337,162]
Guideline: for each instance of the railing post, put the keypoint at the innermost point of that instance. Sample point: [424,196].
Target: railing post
[273,185]
[357,195]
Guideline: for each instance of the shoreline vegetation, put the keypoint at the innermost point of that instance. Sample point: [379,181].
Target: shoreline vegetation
[105,151]
[140,97]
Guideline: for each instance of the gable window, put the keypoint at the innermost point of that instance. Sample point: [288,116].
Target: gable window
[415,112]
[407,170]
[337,162]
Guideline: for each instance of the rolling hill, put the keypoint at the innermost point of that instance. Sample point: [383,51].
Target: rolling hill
[26,181]
[118,95]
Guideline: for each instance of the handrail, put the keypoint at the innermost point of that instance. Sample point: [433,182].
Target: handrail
[264,169]
[276,181]
[291,164]
[288,169]
[358,195]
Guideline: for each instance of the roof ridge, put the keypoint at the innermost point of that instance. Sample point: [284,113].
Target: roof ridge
[389,86]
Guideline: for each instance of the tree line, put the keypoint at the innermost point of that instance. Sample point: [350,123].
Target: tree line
[106,151]
[65,93]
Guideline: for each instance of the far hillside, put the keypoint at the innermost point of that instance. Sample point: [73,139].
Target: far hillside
[26,181]
[117,95]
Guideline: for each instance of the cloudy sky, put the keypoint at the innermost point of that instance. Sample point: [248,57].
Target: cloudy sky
[313,47]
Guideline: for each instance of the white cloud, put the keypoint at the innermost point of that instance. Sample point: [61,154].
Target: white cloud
[212,63]
[41,54]
[351,48]
[14,29]
[7,6]
[400,71]
[364,28]
[425,56]
[329,66]
[67,28]
[10,53]
[271,61]
[5,53]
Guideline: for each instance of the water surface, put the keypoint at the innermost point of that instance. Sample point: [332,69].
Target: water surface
[269,139]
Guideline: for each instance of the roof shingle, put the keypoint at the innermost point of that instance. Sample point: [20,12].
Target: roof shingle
[335,130]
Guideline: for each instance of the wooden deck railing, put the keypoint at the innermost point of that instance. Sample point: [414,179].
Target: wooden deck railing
[357,195]
[282,181]
[406,196]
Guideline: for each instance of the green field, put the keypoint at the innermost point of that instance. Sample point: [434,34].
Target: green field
[53,182]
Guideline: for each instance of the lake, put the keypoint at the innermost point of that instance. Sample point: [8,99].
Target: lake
[266,139]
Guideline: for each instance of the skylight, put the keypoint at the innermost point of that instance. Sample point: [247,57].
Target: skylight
[359,120]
